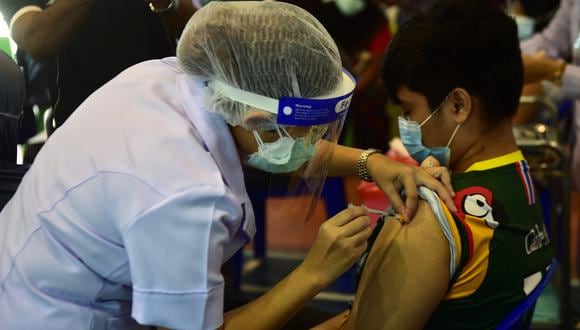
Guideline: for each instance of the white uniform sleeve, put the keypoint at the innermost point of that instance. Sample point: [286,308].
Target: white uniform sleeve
[175,254]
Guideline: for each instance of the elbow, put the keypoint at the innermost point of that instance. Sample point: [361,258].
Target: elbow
[37,49]
[33,39]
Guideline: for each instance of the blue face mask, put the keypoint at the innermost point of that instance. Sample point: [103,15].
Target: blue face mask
[411,138]
[525,27]
[281,156]
[350,7]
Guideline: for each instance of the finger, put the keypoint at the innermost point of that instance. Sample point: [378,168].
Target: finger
[355,226]
[360,249]
[442,173]
[347,215]
[430,162]
[442,190]
[359,238]
[445,177]
[412,197]
[394,198]
[443,193]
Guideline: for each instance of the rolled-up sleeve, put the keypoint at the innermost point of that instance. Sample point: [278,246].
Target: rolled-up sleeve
[175,252]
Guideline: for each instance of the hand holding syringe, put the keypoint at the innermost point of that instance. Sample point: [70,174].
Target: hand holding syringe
[390,212]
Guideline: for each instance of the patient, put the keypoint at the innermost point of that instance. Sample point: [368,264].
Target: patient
[456,71]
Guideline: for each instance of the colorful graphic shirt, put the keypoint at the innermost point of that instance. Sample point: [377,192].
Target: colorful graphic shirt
[502,247]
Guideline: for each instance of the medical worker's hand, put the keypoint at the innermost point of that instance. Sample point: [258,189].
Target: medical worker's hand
[340,242]
[434,168]
[538,67]
[391,176]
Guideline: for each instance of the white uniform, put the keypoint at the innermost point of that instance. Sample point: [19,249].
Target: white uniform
[130,209]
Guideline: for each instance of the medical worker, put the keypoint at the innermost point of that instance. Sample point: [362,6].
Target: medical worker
[132,206]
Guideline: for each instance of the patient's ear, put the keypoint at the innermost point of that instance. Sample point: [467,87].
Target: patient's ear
[462,105]
[256,119]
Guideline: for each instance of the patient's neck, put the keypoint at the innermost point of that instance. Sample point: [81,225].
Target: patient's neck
[489,144]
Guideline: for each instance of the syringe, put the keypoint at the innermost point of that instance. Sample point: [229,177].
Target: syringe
[390,212]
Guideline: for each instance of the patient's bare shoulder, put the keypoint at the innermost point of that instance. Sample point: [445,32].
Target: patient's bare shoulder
[405,277]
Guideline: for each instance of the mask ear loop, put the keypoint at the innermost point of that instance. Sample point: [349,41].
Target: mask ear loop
[278,128]
[453,135]
[429,117]
[260,142]
[432,113]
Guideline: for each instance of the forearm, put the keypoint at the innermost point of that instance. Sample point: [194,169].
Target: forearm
[344,161]
[537,69]
[44,34]
[340,242]
[278,305]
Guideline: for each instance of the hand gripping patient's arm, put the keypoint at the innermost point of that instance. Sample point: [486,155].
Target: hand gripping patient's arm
[407,272]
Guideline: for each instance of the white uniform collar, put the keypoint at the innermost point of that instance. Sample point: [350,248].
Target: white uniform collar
[218,140]
[215,133]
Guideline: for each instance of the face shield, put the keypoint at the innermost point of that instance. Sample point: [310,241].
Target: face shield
[295,141]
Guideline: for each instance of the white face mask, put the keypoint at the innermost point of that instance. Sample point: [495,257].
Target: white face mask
[350,7]
[281,156]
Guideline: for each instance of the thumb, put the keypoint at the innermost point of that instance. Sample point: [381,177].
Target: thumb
[430,161]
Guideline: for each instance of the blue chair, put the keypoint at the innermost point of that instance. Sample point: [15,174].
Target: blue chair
[520,317]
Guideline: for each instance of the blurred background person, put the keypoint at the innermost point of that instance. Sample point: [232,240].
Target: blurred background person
[554,55]
[12,94]
[552,61]
[85,43]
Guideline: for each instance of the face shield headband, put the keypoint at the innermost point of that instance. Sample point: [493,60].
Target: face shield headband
[296,111]
[306,129]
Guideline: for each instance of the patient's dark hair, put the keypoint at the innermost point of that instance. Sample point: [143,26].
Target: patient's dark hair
[470,44]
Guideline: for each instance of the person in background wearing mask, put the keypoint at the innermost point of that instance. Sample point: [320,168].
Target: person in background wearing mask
[12,96]
[12,93]
[464,269]
[88,42]
[136,227]
[552,60]
[544,58]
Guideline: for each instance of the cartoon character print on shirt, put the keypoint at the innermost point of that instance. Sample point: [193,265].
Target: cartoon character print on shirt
[476,202]
[480,217]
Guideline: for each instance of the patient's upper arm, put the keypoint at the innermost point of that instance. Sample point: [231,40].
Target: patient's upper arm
[405,277]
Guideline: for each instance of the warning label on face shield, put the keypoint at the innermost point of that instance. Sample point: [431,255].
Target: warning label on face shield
[308,112]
